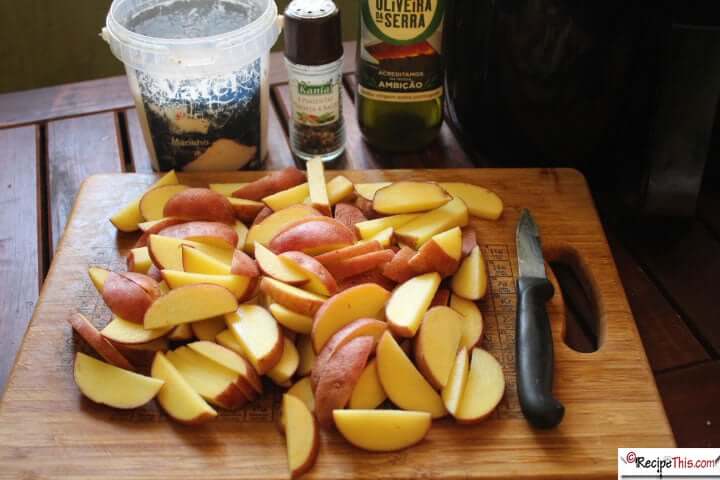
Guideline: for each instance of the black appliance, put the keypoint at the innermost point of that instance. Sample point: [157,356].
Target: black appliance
[624,90]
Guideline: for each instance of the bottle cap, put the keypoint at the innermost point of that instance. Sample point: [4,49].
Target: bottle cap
[312,32]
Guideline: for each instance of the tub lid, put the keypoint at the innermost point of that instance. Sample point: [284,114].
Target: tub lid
[202,54]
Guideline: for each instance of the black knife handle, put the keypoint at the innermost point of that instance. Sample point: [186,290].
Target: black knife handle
[534,354]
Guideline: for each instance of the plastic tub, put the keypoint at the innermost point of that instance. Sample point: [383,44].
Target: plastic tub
[198,70]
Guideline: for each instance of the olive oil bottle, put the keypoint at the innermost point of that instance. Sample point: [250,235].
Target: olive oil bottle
[400,73]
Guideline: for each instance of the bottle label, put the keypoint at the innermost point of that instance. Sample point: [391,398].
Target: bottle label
[315,101]
[400,57]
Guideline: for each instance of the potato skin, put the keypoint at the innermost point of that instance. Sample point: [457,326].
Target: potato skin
[339,378]
[270,184]
[200,204]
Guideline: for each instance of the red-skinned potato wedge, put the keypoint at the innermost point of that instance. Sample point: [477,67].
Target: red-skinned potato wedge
[373,276]
[212,233]
[262,215]
[469,240]
[158,225]
[246,210]
[301,434]
[382,430]
[154,273]
[318,186]
[480,201]
[154,200]
[239,285]
[138,260]
[471,279]
[243,264]
[312,235]
[293,298]
[258,336]
[177,397]
[252,291]
[472,325]
[100,344]
[272,266]
[365,327]
[409,197]
[120,331]
[484,389]
[441,299]
[200,204]
[215,383]
[147,283]
[366,207]
[330,259]
[361,264]
[437,343]
[339,378]
[368,190]
[125,298]
[155,228]
[440,254]
[190,303]
[128,219]
[320,280]
[269,184]
[233,361]
[349,215]
[409,302]
[266,230]
[419,230]
[142,353]
[362,301]
[399,269]
[109,385]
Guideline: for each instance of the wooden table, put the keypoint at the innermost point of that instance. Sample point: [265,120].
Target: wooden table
[51,139]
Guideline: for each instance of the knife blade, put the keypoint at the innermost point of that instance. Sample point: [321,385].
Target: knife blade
[534,346]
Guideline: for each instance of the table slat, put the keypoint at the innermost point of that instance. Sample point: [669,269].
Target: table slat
[279,154]
[668,341]
[691,398]
[73,99]
[138,150]
[77,148]
[21,238]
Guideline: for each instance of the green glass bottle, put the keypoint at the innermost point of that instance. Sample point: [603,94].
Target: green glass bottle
[400,73]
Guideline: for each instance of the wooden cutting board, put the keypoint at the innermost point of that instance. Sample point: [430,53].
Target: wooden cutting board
[48,430]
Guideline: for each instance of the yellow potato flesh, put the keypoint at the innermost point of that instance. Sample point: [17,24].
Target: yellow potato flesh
[113,386]
[382,430]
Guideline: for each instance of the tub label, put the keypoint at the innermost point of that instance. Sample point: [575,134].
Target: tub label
[207,123]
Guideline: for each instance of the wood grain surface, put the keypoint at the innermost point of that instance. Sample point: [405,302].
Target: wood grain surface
[21,239]
[690,396]
[77,148]
[668,341]
[139,152]
[47,430]
[684,260]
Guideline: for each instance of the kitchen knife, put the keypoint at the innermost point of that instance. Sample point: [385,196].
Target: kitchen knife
[533,345]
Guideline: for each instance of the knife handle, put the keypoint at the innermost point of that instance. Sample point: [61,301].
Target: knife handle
[534,354]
